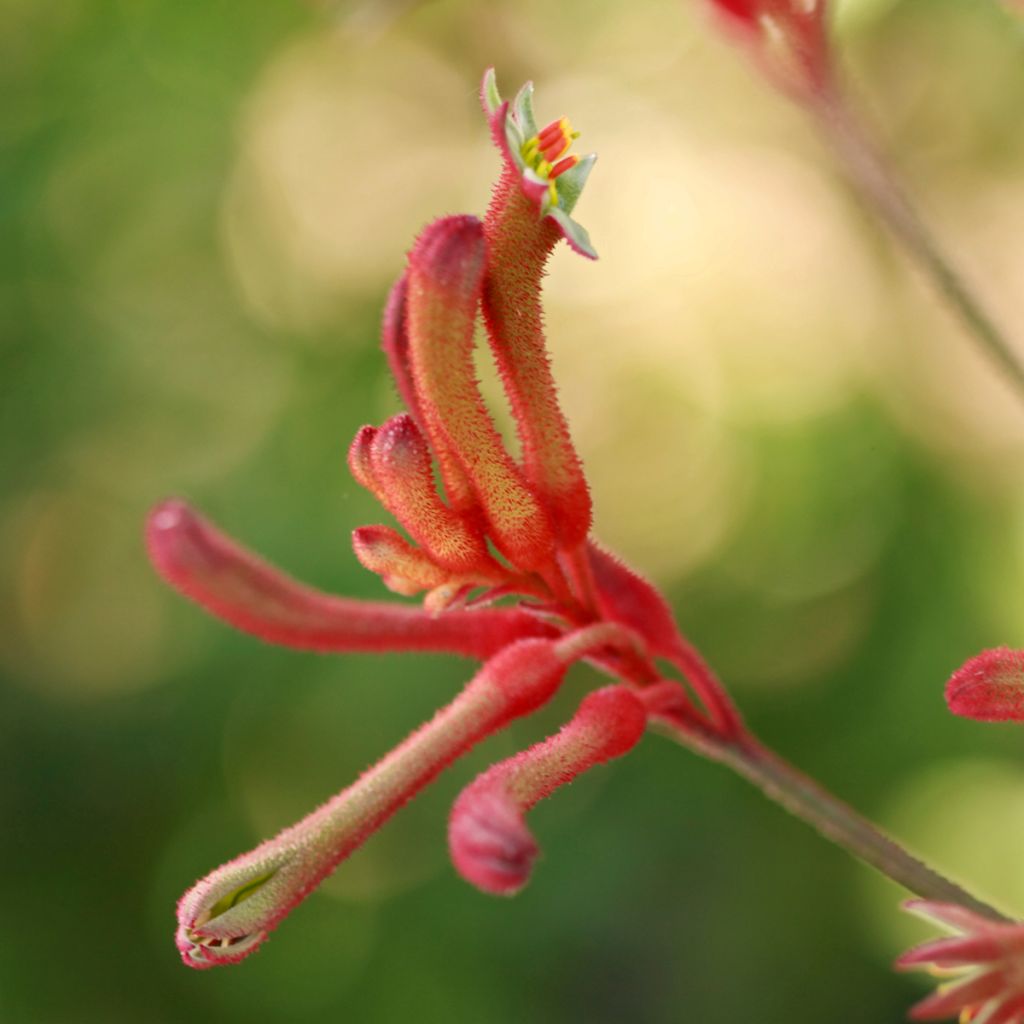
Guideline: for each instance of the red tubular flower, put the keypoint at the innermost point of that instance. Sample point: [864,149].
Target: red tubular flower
[986,958]
[529,213]
[228,914]
[395,342]
[394,464]
[500,529]
[490,844]
[446,271]
[989,687]
[235,585]
[787,39]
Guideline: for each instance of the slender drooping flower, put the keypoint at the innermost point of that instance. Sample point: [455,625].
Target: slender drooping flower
[496,528]
[985,959]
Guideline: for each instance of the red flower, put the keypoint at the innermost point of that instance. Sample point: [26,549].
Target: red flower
[497,528]
[787,39]
[989,687]
[987,958]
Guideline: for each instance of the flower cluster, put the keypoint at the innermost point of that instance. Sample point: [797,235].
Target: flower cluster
[493,528]
[987,959]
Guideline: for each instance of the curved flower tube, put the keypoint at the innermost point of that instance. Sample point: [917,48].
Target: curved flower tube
[227,915]
[235,585]
[490,845]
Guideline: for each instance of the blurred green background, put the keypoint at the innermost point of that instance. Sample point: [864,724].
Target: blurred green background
[202,207]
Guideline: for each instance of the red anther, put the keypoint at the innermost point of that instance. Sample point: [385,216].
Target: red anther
[562,166]
[555,130]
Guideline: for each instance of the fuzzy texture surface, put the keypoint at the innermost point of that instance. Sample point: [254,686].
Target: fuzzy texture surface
[235,585]
[490,845]
[989,687]
[228,914]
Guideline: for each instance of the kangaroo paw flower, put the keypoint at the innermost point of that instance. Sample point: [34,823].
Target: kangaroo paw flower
[232,583]
[490,844]
[490,527]
[446,271]
[986,959]
[989,687]
[228,914]
[537,164]
[521,228]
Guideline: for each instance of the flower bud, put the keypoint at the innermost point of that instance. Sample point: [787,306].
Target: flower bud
[227,915]
[401,465]
[490,844]
[989,687]
[403,569]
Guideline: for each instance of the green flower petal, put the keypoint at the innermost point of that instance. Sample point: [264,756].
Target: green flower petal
[522,110]
[570,184]
[575,234]
[489,92]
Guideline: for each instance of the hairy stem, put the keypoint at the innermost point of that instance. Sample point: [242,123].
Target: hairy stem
[835,820]
[876,182]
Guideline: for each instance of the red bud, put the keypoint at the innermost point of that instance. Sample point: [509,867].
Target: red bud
[989,687]
[490,844]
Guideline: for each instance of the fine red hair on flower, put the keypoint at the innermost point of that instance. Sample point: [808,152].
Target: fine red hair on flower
[395,342]
[519,243]
[446,271]
[500,529]
[989,687]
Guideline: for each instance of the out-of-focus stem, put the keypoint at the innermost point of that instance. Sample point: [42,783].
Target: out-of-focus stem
[877,183]
[805,798]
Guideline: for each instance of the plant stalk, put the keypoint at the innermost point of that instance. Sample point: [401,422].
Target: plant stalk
[833,819]
[876,182]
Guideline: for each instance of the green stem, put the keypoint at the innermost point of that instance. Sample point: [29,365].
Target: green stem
[834,819]
[875,181]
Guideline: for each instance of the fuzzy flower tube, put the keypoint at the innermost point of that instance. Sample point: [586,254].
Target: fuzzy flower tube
[471,527]
[487,527]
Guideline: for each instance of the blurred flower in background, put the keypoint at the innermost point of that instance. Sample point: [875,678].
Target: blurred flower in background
[202,213]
